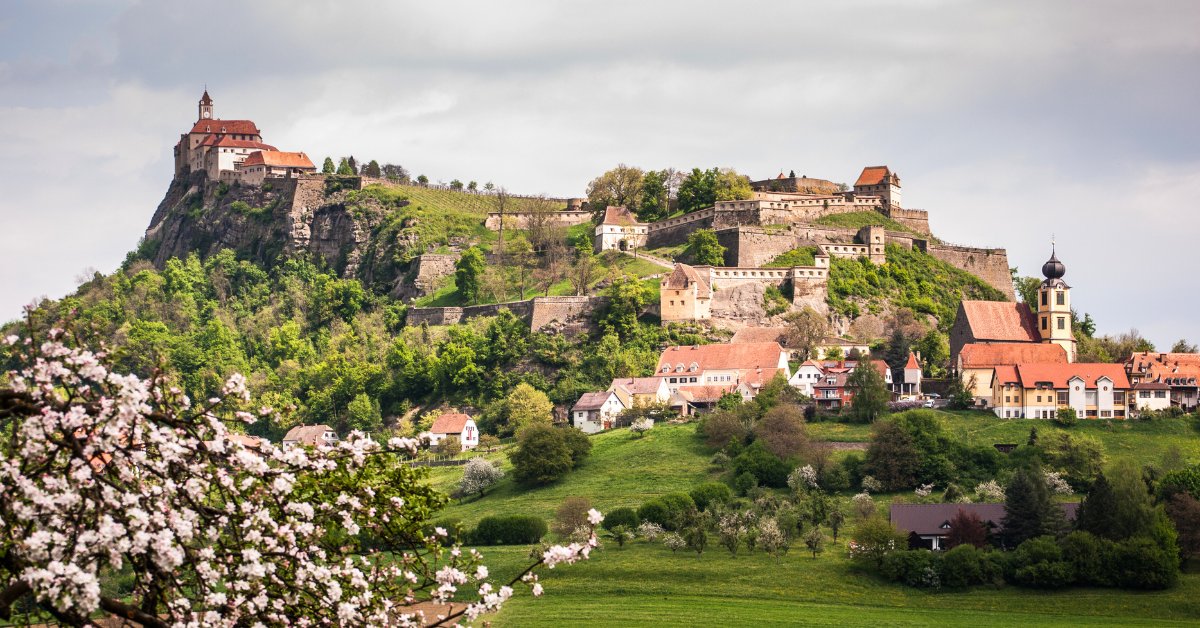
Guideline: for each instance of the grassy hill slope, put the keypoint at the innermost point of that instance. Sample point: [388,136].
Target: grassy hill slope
[621,471]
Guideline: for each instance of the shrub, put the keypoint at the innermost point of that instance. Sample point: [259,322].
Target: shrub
[677,505]
[723,427]
[834,478]
[545,454]
[509,530]
[711,494]
[767,468]
[1091,557]
[744,483]
[1038,563]
[1141,564]
[654,511]
[915,568]
[623,516]
[571,515]
[1066,417]
[962,567]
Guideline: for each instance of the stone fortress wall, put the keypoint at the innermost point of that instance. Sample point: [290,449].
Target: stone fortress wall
[539,312]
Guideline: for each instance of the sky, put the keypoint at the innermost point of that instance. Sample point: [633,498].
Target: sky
[1010,122]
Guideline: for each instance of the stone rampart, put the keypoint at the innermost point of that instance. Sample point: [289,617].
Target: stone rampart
[538,311]
[520,220]
[915,219]
[676,230]
[990,265]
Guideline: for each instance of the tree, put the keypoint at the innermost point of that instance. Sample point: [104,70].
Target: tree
[1080,458]
[1026,288]
[456,185]
[836,519]
[781,431]
[619,187]
[479,474]
[934,348]
[363,414]
[871,396]
[422,179]
[1097,511]
[627,297]
[1184,511]
[966,528]
[874,539]
[1028,509]
[571,515]
[961,394]
[450,446]
[704,249]
[1133,512]
[541,456]
[703,188]
[892,456]
[345,168]
[583,269]
[467,271]
[1183,346]
[472,185]
[372,169]
[328,167]
[815,541]
[526,406]
[722,428]
[655,199]
[174,502]
[805,330]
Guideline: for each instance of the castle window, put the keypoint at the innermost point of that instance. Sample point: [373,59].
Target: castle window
[1045,301]
[1043,321]
[1062,322]
[1060,297]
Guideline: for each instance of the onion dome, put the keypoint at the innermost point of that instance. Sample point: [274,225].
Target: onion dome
[1053,269]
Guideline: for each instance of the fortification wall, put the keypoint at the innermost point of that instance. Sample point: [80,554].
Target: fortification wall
[915,219]
[676,230]
[520,220]
[990,265]
[538,311]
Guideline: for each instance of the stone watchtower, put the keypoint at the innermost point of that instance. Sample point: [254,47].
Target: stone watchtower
[1054,307]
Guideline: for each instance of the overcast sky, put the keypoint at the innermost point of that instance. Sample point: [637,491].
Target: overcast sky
[1007,121]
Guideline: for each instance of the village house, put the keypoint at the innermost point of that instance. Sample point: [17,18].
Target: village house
[596,411]
[928,525]
[263,164]
[806,376]
[977,361]
[909,387]
[839,348]
[692,399]
[640,391]
[879,181]
[1150,397]
[1179,371]
[722,364]
[831,391]
[310,436]
[1040,391]
[455,424]
[620,230]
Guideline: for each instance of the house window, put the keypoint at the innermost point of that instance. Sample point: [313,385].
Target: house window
[1160,394]
[1043,321]
[1062,322]
[1062,398]
[1044,299]
[1060,297]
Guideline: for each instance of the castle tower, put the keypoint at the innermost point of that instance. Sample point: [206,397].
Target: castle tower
[1054,307]
[206,107]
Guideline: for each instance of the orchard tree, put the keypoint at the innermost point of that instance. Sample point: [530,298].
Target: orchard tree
[479,474]
[107,476]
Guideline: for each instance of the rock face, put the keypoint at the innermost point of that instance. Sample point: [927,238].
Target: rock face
[332,223]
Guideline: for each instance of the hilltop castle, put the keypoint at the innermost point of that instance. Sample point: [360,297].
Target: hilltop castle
[232,151]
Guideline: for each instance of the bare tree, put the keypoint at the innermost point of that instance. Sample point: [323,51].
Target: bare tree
[500,202]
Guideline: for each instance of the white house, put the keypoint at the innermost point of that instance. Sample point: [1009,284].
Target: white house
[454,424]
[805,376]
[596,411]
[1150,396]
[620,230]
[310,436]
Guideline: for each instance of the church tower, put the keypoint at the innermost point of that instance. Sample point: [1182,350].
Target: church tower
[1054,306]
[206,107]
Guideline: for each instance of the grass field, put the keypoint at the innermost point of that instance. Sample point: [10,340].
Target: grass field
[858,220]
[644,584]
[1145,441]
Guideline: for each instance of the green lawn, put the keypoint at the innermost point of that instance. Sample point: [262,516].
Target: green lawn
[858,220]
[645,584]
[1145,441]
[621,471]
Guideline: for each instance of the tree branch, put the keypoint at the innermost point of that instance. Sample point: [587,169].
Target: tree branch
[126,611]
[14,592]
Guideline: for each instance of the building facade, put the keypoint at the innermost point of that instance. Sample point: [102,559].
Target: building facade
[684,295]
[596,411]
[1040,391]
[620,230]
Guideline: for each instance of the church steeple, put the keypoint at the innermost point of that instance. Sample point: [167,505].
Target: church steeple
[1054,306]
[206,106]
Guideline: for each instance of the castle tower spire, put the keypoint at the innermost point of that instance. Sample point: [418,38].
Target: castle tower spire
[206,106]
[1054,305]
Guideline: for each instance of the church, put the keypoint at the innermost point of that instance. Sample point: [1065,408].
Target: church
[988,334]
[223,150]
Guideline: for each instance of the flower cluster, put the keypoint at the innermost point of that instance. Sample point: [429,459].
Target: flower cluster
[923,490]
[1056,483]
[803,478]
[990,491]
[102,472]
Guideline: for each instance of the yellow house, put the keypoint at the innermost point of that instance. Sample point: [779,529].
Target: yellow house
[1040,391]
[684,296]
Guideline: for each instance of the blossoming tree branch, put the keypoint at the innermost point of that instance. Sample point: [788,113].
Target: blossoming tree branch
[105,475]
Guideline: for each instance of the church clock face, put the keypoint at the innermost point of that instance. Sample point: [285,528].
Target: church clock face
[207,115]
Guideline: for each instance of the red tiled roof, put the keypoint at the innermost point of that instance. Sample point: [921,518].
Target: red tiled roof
[591,401]
[1058,375]
[308,434]
[224,141]
[683,277]
[981,355]
[873,175]
[619,216]
[708,393]
[764,355]
[759,377]
[760,334]
[912,361]
[1006,374]
[882,367]
[1000,320]
[450,423]
[240,127]
[279,159]
[1151,386]
[637,385]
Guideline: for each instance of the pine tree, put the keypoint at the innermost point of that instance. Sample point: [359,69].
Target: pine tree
[344,167]
[1097,510]
[353,165]
[372,169]
[328,167]
[1028,510]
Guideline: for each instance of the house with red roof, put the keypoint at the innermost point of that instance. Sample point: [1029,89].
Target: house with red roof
[640,391]
[879,181]
[620,230]
[743,368]
[453,424]
[1040,391]
[310,436]
[1180,372]
[262,164]
[977,361]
